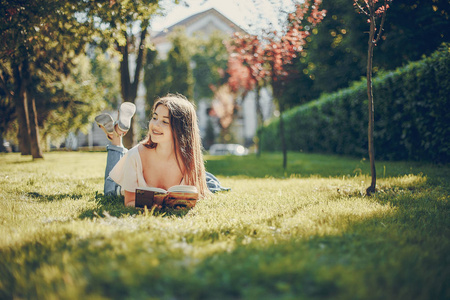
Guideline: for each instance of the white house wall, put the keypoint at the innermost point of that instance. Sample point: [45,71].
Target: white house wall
[208,25]
[249,108]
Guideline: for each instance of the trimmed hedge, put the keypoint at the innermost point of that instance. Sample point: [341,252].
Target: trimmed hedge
[412,116]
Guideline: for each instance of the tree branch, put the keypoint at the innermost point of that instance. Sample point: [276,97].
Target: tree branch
[361,8]
[380,30]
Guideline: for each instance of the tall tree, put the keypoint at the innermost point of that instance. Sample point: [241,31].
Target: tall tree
[374,10]
[277,49]
[124,25]
[36,38]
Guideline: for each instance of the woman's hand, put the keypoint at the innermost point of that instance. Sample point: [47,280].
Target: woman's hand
[130,198]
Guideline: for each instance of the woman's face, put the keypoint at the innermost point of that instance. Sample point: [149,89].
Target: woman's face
[159,126]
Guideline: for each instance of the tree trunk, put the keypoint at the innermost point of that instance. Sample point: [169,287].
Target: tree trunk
[36,150]
[7,111]
[278,89]
[129,89]
[260,118]
[21,111]
[371,189]
[225,135]
[282,137]
[128,139]
[33,127]
[2,147]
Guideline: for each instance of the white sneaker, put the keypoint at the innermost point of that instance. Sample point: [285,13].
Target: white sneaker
[126,112]
[106,123]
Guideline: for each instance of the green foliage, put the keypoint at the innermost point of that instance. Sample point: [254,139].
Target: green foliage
[171,75]
[211,59]
[106,76]
[337,51]
[37,42]
[411,116]
[51,33]
[115,20]
[178,64]
[70,103]
[156,78]
[414,28]
[208,56]
[122,28]
[299,237]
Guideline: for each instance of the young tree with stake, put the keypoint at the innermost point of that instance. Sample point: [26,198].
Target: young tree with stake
[374,10]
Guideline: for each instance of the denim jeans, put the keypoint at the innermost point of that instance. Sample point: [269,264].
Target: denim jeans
[213,183]
[115,153]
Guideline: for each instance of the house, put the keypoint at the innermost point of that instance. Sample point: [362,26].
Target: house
[206,22]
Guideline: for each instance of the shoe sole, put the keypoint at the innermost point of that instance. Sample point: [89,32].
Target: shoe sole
[126,112]
[106,123]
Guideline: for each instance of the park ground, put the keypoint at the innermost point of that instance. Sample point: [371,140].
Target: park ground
[307,232]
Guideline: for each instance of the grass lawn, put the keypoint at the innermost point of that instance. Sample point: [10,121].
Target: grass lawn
[307,232]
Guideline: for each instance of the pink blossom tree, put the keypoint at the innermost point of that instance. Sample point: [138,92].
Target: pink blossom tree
[245,67]
[269,55]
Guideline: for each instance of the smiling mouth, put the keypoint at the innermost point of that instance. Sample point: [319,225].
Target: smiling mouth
[156,132]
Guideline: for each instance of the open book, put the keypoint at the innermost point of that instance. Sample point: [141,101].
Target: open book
[177,196]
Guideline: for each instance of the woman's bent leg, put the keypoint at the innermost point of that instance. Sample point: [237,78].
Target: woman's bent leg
[213,184]
[115,153]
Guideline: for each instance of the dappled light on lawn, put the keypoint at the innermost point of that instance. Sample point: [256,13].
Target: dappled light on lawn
[300,234]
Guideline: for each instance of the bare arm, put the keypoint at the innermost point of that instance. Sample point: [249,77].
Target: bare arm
[130,198]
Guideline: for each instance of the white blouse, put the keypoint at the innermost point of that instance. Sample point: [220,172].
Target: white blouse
[128,172]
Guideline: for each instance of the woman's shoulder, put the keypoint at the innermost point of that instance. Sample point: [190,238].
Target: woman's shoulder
[132,155]
[134,151]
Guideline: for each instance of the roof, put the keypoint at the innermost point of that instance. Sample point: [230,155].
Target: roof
[192,19]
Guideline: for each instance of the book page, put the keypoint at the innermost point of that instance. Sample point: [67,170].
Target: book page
[153,189]
[183,189]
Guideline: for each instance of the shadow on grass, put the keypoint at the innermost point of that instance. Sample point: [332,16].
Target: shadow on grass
[21,162]
[402,254]
[56,197]
[395,256]
[114,206]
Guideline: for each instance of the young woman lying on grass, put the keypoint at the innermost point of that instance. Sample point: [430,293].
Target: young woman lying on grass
[170,155]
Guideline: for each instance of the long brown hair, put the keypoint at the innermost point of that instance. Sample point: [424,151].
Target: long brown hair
[186,139]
